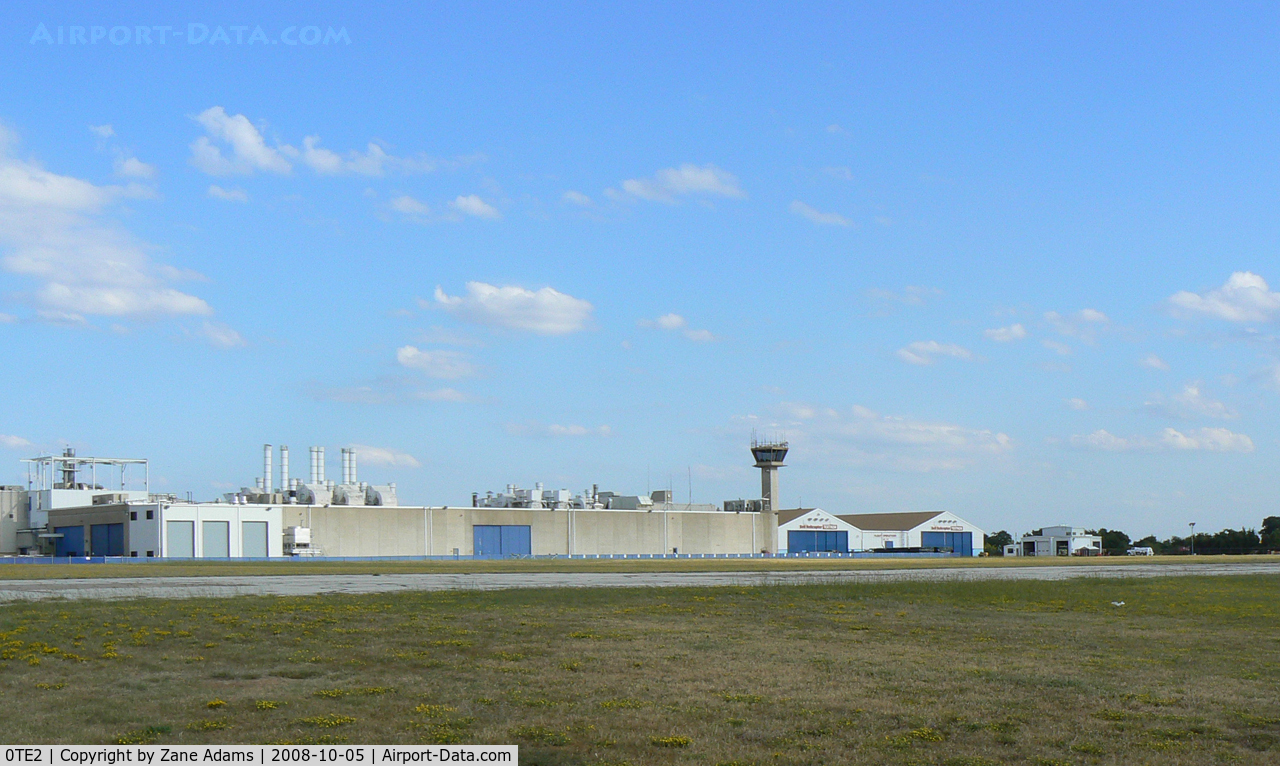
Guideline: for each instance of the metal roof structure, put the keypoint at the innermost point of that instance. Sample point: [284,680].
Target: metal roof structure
[62,471]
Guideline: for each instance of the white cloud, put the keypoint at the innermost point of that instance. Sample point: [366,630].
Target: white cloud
[923,352]
[7,318]
[817,216]
[474,206]
[576,198]
[1209,439]
[842,173]
[102,131]
[220,335]
[1061,349]
[13,442]
[1190,403]
[368,455]
[437,364]
[1077,404]
[545,312]
[1202,439]
[666,322]
[1153,362]
[1006,334]
[556,430]
[56,233]
[862,436]
[373,161]
[63,318]
[1106,441]
[389,389]
[230,195]
[444,395]
[677,323]
[671,183]
[1245,297]
[132,167]
[250,153]
[834,128]
[1083,324]
[410,206]
[249,150]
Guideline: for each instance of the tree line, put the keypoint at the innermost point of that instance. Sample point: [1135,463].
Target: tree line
[1228,541]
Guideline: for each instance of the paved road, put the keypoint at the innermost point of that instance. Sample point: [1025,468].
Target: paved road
[309,585]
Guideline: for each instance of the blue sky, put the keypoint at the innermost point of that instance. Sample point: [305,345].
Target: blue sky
[1017,264]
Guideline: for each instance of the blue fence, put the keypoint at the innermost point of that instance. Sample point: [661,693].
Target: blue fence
[576,556]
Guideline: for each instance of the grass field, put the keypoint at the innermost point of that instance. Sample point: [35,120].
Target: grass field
[305,566]
[1185,672]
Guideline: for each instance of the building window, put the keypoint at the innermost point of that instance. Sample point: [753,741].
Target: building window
[133,516]
[151,554]
[151,514]
[133,554]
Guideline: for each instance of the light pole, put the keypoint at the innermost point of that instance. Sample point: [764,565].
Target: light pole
[1193,537]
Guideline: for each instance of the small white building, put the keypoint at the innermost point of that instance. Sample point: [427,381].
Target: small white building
[1057,541]
[813,529]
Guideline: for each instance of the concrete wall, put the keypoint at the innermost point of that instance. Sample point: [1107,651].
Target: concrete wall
[13,516]
[382,531]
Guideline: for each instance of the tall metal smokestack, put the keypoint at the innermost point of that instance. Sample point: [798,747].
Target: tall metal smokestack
[284,468]
[320,465]
[354,478]
[346,465]
[266,468]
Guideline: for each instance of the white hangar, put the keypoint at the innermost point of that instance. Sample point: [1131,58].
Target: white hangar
[815,530]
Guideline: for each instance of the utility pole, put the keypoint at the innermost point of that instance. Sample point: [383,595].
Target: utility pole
[1193,537]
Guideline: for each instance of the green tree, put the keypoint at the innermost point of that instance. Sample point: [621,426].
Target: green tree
[1114,541]
[1271,533]
[1151,542]
[996,543]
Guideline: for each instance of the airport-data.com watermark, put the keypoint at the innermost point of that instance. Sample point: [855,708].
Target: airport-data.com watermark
[189,34]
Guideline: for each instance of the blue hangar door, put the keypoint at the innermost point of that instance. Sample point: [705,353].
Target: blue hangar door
[804,542]
[106,539]
[501,540]
[71,543]
[958,542]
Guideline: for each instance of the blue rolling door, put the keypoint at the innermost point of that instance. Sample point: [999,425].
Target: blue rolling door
[501,540]
[106,539]
[960,543]
[71,543]
[516,540]
[804,542]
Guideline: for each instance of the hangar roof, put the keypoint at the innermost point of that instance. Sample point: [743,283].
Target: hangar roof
[785,516]
[887,521]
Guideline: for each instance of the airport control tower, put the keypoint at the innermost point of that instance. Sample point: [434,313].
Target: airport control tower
[769,456]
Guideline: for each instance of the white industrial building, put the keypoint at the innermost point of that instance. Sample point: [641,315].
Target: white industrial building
[1056,541]
[62,514]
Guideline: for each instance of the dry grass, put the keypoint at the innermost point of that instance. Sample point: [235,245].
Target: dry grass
[930,673]
[309,567]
